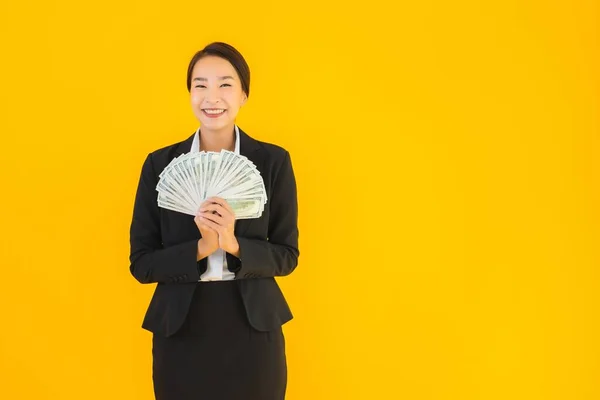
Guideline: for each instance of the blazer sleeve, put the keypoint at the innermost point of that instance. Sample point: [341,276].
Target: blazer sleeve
[150,261]
[278,255]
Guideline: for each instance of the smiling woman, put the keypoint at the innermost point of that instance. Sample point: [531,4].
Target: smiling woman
[217,312]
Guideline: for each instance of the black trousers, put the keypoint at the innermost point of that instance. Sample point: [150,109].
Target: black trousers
[217,354]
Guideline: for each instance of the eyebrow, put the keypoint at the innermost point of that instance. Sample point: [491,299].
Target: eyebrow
[220,77]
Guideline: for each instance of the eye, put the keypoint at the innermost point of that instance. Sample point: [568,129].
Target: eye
[199,86]
[226,84]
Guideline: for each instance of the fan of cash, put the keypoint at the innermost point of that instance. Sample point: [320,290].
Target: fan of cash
[193,177]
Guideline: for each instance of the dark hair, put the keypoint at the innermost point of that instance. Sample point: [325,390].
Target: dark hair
[228,53]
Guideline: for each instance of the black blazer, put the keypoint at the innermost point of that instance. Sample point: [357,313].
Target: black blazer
[164,242]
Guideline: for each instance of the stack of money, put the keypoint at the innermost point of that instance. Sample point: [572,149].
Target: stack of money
[193,177]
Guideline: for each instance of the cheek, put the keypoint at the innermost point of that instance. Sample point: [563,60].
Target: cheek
[233,99]
[233,102]
[195,99]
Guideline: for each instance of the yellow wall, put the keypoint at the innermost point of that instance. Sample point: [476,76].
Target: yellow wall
[446,155]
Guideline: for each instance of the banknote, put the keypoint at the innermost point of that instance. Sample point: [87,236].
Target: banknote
[192,177]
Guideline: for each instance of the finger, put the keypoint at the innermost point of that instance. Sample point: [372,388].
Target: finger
[222,211]
[219,200]
[228,207]
[202,211]
[225,207]
[225,223]
[203,225]
[211,225]
[205,203]
[200,223]
[216,218]
[209,207]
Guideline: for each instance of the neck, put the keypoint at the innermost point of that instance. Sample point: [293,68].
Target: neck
[211,140]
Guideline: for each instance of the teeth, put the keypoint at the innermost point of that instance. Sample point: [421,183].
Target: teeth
[213,111]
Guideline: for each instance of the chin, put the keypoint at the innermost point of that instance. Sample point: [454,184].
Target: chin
[216,125]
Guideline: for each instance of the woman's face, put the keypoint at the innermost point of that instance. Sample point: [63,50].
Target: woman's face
[216,93]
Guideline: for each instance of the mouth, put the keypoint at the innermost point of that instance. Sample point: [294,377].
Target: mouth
[213,112]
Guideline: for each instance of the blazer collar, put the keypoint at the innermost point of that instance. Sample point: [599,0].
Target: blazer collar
[247,144]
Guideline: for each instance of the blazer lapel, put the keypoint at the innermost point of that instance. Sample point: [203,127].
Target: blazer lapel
[248,146]
[185,146]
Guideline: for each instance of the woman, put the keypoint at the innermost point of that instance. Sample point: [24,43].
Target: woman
[217,339]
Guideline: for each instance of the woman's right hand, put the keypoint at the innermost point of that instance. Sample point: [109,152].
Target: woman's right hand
[210,237]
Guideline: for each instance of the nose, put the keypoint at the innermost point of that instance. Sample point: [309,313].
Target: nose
[212,96]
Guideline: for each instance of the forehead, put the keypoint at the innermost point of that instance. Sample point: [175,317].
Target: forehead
[212,66]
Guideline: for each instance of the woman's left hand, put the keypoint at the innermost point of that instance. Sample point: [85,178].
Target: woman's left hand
[220,216]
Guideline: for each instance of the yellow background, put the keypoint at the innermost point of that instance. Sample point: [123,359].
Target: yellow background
[446,156]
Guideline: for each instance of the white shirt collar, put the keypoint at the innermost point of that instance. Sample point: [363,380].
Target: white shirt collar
[196,141]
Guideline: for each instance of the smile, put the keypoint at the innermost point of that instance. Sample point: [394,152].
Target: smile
[213,112]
